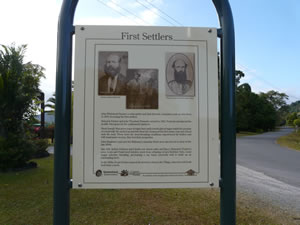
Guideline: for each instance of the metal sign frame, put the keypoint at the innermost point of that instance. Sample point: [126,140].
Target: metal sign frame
[62,183]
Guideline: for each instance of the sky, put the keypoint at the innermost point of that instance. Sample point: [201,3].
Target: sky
[267,32]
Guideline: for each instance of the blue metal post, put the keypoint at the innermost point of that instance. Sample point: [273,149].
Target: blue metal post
[228,127]
[61,206]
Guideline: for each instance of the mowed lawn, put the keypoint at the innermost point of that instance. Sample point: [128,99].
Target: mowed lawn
[291,140]
[26,198]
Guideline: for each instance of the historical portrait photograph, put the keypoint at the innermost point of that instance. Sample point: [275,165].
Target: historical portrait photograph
[142,89]
[112,67]
[180,74]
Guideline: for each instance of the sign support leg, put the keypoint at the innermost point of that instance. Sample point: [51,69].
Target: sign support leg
[228,130]
[61,205]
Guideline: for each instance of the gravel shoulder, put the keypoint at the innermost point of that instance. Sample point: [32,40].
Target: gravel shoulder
[282,195]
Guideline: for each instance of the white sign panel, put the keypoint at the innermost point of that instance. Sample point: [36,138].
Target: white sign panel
[145,107]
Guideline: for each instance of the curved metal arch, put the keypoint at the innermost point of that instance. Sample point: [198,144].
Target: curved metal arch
[63,109]
[228,120]
[61,204]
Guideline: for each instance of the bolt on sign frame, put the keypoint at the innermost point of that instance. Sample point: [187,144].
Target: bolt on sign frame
[62,183]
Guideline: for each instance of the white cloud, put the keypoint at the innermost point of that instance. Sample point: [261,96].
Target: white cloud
[113,4]
[150,16]
[33,22]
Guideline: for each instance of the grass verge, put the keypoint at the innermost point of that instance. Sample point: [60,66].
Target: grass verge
[246,133]
[26,198]
[291,140]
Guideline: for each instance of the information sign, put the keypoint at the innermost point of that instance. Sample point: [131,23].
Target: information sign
[145,107]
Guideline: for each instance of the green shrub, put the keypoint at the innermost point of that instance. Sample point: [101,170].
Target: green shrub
[49,132]
[290,118]
[296,122]
[40,148]
[19,100]
[259,130]
[15,152]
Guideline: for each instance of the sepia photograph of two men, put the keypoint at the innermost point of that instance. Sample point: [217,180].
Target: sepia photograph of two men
[140,86]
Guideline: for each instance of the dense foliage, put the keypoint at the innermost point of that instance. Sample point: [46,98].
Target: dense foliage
[297,122]
[19,90]
[254,112]
[290,118]
[15,151]
[294,107]
[258,112]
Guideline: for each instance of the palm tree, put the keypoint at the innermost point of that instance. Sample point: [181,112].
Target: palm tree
[51,103]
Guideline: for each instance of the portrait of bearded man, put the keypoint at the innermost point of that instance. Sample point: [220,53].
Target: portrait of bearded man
[180,85]
[113,82]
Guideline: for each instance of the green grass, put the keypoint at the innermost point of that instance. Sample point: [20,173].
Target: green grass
[291,140]
[247,133]
[26,198]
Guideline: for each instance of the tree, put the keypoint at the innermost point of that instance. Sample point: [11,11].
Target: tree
[19,91]
[296,123]
[238,76]
[51,103]
[253,112]
[291,117]
[243,114]
[265,117]
[294,107]
[258,112]
[278,100]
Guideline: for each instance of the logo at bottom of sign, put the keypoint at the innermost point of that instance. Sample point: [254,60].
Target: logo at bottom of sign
[123,173]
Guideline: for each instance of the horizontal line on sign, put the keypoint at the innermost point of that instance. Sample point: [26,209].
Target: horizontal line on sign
[182,97]
[186,40]
[200,182]
[149,44]
[119,39]
[108,39]
[166,173]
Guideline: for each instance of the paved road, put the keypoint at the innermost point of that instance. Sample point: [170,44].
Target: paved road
[261,153]
[269,171]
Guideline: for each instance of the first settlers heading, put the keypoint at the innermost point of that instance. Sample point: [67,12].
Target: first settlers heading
[146,36]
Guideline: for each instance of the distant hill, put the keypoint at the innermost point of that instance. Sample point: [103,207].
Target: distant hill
[294,107]
[49,117]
